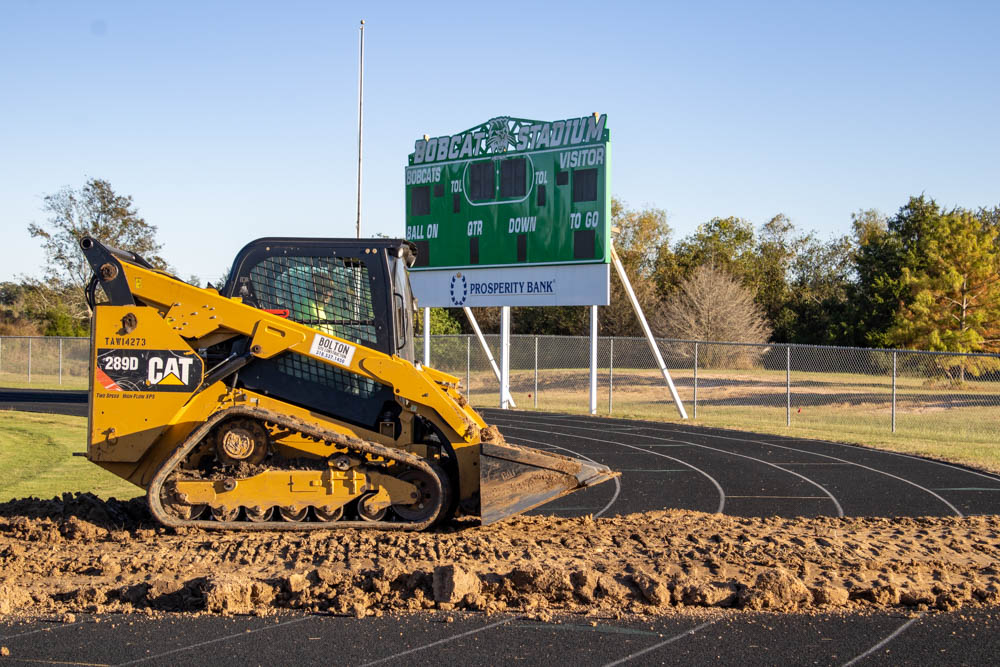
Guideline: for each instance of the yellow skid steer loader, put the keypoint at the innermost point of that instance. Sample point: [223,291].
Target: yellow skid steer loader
[290,399]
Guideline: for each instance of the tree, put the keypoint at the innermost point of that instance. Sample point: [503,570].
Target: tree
[15,319]
[877,292]
[94,210]
[725,243]
[441,322]
[32,308]
[818,307]
[618,318]
[550,320]
[777,247]
[641,234]
[642,239]
[711,305]
[989,217]
[954,291]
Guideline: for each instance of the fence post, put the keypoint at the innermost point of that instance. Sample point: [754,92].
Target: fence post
[696,380]
[468,368]
[427,336]
[60,360]
[611,376]
[29,360]
[894,391]
[536,372]
[788,385]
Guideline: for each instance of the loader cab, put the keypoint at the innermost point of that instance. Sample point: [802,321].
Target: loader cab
[355,289]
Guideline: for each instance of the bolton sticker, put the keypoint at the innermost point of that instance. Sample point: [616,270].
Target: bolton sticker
[332,349]
[148,370]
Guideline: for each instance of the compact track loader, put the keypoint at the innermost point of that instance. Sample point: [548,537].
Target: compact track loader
[289,398]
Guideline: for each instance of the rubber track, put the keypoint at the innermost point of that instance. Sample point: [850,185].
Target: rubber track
[307,429]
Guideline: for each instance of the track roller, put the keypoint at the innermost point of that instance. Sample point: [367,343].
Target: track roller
[292,513]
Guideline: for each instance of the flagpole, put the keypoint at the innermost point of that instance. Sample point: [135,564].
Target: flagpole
[361,92]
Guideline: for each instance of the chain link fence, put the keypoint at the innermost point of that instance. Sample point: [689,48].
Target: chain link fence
[823,391]
[826,392]
[44,362]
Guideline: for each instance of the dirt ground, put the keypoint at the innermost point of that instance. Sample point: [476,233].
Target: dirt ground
[83,554]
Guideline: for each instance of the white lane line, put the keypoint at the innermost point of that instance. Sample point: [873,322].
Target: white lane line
[784,497]
[49,629]
[826,492]
[957,468]
[885,641]
[813,463]
[441,641]
[767,443]
[718,487]
[968,488]
[646,650]
[37,661]
[618,481]
[214,641]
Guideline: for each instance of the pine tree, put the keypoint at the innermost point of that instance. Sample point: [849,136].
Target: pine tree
[955,293]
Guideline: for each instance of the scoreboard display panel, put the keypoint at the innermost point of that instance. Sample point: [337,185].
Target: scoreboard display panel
[511,192]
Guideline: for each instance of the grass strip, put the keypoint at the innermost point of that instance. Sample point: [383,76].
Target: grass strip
[36,455]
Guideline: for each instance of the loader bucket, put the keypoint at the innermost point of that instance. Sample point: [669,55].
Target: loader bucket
[515,479]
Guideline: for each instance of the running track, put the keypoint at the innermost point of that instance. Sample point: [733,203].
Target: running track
[663,466]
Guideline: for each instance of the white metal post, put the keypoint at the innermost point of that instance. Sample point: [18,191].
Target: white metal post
[361,97]
[29,360]
[468,368]
[788,385]
[504,356]
[695,401]
[536,372]
[894,391]
[60,360]
[427,336]
[486,349]
[593,360]
[611,377]
[645,330]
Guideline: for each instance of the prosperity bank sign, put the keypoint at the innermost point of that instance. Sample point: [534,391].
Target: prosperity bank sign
[524,286]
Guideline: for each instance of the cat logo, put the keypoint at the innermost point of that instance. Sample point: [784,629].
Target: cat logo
[169,371]
[129,369]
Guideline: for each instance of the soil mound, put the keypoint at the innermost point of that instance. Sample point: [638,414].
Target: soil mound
[79,553]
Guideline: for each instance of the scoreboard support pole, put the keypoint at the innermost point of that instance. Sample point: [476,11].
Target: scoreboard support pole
[504,356]
[593,360]
[645,330]
[486,349]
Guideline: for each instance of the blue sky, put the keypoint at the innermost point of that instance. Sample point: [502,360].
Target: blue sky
[227,121]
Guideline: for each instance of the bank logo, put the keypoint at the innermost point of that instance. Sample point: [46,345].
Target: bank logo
[459,289]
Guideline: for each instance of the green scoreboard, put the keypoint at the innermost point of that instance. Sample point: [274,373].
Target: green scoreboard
[511,192]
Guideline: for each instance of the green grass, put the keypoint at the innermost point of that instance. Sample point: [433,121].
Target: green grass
[36,457]
[20,381]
